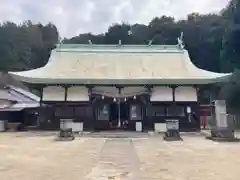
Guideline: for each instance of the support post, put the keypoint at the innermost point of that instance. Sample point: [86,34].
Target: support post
[173,92]
[119,113]
[65,93]
[204,119]
[40,107]
[149,108]
[91,125]
[119,108]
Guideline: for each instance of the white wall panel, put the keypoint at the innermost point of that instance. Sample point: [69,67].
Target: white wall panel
[162,94]
[53,93]
[185,94]
[77,94]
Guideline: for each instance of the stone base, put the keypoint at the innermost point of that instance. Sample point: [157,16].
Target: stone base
[66,135]
[172,135]
[222,135]
[219,139]
[65,139]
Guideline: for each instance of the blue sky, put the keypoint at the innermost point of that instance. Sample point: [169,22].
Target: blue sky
[78,16]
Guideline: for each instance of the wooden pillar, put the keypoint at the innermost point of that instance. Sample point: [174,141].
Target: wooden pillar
[119,107]
[204,119]
[197,113]
[149,125]
[92,120]
[173,93]
[73,117]
[66,93]
[40,110]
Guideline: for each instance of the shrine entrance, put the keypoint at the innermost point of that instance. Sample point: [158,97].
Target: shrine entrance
[119,115]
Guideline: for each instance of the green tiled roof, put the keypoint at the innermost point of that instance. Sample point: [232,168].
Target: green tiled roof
[119,64]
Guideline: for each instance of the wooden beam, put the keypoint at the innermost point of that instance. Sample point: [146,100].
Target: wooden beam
[65,93]
[174,92]
[41,94]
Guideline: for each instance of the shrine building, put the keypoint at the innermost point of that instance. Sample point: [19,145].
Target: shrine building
[132,87]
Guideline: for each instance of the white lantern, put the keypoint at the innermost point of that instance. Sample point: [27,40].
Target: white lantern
[189,110]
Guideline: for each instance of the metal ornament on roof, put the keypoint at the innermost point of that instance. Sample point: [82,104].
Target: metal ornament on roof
[180,41]
[150,42]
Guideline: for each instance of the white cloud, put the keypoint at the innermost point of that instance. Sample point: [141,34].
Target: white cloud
[79,16]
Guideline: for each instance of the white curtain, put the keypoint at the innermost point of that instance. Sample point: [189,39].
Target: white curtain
[77,94]
[162,94]
[53,93]
[185,94]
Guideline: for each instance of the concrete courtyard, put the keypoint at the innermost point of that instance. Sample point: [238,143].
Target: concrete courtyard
[29,157]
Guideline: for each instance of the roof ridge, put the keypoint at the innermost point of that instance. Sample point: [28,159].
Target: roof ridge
[118,48]
[74,46]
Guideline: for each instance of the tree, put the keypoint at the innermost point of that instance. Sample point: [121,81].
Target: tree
[26,46]
[203,39]
[230,53]
[163,30]
[118,32]
[230,92]
[84,39]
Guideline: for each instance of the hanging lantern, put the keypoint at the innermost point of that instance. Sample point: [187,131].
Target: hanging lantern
[134,97]
[125,99]
[114,100]
[103,97]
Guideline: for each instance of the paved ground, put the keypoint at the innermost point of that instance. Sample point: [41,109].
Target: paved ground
[147,158]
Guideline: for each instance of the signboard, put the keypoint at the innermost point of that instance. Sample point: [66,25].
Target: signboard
[134,111]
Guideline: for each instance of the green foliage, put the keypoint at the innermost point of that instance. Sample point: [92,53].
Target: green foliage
[231,45]
[230,54]
[231,91]
[25,46]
